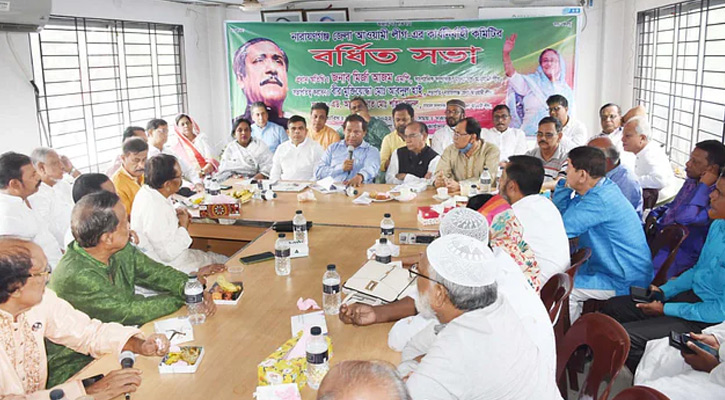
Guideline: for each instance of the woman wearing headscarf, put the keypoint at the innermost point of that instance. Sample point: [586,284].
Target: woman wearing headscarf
[190,144]
[245,156]
[507,233]
[526,95]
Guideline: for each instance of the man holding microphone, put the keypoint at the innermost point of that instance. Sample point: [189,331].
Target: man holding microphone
[352,161]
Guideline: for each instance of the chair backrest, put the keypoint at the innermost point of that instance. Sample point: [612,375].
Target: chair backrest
[554,292]
[573,244]
[609,343]
[577,259]
[650,228]
[649,198]
[640,393]
[671,237]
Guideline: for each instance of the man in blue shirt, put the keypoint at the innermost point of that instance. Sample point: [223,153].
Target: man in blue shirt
[691,302]
[595,210]
[619,174]
[337,163]
[266,130]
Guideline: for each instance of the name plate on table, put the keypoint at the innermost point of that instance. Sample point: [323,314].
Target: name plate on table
[219,210]
[297,249]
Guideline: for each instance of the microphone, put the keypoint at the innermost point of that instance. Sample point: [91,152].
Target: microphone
[350,149]
[126,359]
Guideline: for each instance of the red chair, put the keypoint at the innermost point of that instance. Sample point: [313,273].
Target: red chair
[649,198]
[554,292]
[577,259]
[640,393]
[671,237]
[609,345]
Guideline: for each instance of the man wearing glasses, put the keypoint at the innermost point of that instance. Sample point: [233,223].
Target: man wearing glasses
[416,160]
[355,167]
[550,151]
[510,141]
[574,132]
[610,117]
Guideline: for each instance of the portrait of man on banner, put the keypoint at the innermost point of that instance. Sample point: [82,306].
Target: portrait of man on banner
[261,66]
[527,93]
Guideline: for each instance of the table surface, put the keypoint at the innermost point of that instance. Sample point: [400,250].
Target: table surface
[239,337]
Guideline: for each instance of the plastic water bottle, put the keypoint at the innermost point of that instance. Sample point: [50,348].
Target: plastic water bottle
[473,191]
[268,195]
[331,297]
[299,226]
[214,188]
[387,227]
[383,253]
[57,394]
[485,181]
[282,265]
[317,358]
[350,191]
[194,294]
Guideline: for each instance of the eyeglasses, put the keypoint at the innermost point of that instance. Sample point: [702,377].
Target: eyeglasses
[608,117]
[501,117]
[45,273]
[545,135]
[412,136]
[413,272]
[460,135]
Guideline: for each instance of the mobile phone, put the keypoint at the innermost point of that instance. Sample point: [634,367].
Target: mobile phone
[225,187]
[186,192]
[255,258]
[679,341]
[644,295]
[89,381]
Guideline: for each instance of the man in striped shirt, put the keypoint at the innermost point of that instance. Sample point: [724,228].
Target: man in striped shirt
[550,151]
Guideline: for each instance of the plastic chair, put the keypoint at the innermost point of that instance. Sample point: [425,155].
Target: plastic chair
[573,245]
[577,259]
[640,393]
[609,345]
[650,228]
[554,292]
[671,237]
[649,198]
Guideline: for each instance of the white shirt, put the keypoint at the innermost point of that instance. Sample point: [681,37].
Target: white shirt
[442,138]
[511,142]
[483,354]
[652,167]
[54,204]
[574,134]
[409,178]
[544,232]
[187,171]
[296,162]
[17,219]
[154,219]
[246,161]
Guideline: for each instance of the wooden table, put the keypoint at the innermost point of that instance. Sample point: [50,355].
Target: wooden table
[238,337]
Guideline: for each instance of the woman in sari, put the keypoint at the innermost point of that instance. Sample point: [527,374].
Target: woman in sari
[191,145]
[245,156]
[507,233]
[526,94]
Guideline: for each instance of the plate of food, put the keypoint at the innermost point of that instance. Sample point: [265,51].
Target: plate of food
[224,292]
[380,197]
[244,195]
[181,360]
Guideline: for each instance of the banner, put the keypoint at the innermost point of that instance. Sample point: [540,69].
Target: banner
[290,66]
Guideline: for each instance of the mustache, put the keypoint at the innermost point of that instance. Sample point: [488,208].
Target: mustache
[542,141]
[272,79]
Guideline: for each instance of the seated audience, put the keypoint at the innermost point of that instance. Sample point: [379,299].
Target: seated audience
[543,227]
[610,118]
[363,380]
[87,184]
[297,158]
[595,210]
[129,132]
[318,130]
[265,130]
[190,144]
[414,161]
[510,141]
[29,312]
[682,375]
[466,157]
[162,229]
[690,206]
[158,134]
[376,128]
[457,285]
[53,201]
[619,173]
[403,114]
[18,181]
[691,302]
[245,156]
[550,151]
[364,165]
[99,272]
[129,178]
[574,132]
[443,137]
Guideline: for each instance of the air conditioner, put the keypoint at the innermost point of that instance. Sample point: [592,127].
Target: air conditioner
[24,15]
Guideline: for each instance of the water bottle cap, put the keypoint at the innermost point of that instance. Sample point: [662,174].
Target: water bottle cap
[485,168]
[383,240]
[57,394]
[281,235]
[298,212]
[192,276]
[473,185]
[331,267]
[386,215]
[316,331]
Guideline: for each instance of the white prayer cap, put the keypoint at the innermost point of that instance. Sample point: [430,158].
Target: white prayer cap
[466,222]
[463,260]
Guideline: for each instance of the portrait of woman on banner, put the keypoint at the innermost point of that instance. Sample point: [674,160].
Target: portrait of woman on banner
[527,93]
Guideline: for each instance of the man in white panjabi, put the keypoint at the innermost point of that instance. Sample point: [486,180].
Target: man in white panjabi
[510,141]
[53,201]
[457,284]
[416,162]
[297,158]
[245,156]
[610,118]
[574,133]
[685,376]
[443,136]
[161,228]
[157,131]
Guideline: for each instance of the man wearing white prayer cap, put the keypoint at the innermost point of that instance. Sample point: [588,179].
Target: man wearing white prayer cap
[481,349]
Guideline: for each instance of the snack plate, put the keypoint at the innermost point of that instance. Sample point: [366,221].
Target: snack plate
[183,368]
[235,297]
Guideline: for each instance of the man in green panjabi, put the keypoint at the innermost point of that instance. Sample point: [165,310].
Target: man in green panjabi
[377,129]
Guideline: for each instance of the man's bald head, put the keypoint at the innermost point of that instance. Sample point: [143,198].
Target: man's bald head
[362,380]
[609,149]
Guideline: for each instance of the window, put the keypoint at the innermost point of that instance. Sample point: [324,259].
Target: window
[95,77]
[680,73]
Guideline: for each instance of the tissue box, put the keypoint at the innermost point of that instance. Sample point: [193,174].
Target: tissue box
[428,216]
[276,369]
[219,210]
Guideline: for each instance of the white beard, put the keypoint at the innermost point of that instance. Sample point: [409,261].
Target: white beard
[422,304]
